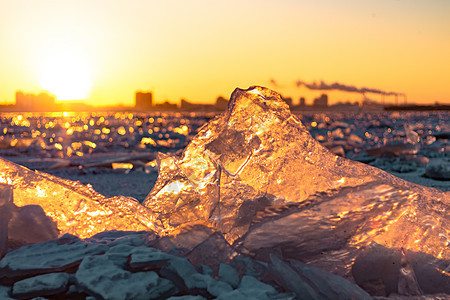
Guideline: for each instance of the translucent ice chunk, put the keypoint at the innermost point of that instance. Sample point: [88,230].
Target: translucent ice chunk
[75,208]
[29,224]
[22,225]
[399,148]
[256,174]
[411,136]
[438,169]
[254,156]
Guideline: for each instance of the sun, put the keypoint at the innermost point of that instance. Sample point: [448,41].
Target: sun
[65,73]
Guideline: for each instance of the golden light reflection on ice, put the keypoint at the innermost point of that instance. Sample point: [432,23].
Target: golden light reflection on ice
[73,207]
[267,183]
[40,192]
[70,134]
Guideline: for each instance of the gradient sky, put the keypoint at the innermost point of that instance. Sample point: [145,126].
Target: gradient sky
[201,49]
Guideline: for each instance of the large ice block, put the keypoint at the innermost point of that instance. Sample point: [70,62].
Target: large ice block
[75,208]
[256,155]
[256,174]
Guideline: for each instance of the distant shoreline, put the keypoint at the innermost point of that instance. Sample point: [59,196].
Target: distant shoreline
[212,109]
[417,107]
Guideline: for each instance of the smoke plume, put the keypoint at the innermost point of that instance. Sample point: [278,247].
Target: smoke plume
[273,82]
[343,87]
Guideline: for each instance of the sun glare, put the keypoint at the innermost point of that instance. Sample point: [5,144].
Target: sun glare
[65,73]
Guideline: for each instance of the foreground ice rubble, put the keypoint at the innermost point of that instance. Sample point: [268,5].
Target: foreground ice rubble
[255,175]
[132,265]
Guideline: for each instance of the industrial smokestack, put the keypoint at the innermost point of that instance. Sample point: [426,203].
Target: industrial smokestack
[346,88]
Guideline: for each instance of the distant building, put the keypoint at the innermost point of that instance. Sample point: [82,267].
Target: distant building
[288,100]
[302,102]
[221,103]
[370,104]
[166,106]
[321,101]
[186,105]
[345,106]
[301,105]
[143,100]
[33,102]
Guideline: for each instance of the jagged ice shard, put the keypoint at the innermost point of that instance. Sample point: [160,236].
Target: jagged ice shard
[73,207]
[256,174]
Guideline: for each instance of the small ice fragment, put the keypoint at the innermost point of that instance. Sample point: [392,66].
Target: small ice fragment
[228,274]
[291,280]
[438,169]
[411,136]
[29,224]
[41,285]
[398,148]
[122,166]
[107,278]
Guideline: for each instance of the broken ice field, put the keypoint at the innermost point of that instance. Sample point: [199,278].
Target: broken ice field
[254,207]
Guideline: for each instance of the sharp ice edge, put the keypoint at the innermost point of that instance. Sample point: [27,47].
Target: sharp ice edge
[384,210]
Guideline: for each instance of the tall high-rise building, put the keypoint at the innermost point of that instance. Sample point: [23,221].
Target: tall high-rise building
[322,101]
[302,101]
[288,100]
[143,100]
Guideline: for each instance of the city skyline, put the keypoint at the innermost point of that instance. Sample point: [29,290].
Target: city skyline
[144,100]
[103,51]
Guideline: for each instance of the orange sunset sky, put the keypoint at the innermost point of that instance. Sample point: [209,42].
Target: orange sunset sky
[104,51]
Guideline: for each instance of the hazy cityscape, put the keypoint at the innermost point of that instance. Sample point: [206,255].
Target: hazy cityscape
[144,101]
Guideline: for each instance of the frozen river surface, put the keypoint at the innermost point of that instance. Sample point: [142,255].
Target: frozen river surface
[98,148]
[255,182]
